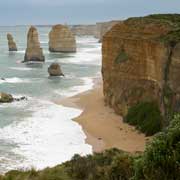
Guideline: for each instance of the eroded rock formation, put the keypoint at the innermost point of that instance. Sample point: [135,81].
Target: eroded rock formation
[61,39]
[55,70]
[141,62]
[11,44]
[33,51]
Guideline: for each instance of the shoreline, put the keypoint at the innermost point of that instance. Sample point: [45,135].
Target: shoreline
[103,128]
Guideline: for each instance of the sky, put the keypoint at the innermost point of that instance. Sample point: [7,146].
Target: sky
[47,12]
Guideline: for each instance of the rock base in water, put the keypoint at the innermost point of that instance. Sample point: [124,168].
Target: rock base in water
[61,39]
[55,70]
[33,52]
[11,44]
[8,98]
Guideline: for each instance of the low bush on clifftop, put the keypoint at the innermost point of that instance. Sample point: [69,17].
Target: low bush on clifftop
[110,165]
[161,159]
[146,116]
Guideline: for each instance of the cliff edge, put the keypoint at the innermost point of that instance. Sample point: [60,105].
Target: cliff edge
[141,63]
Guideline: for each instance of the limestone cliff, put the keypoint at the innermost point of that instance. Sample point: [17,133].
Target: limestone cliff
[141,62]
[33,51]
[61,39]
[11,44]
[103,27]
[84,30]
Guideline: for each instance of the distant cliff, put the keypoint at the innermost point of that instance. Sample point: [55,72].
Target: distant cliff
[141,62]
[84,30]
[103,27]
[97,30]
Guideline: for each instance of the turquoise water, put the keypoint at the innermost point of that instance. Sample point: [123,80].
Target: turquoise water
[37,132]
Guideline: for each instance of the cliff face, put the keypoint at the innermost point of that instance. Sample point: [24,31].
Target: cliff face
[61,39]
[33,51]
[84,30]
[141,62]
[11,44]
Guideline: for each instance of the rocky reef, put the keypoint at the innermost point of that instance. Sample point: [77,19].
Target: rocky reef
[11,44]
[61,39]
[55,70]
[8,98]
[141,63]
[33,51]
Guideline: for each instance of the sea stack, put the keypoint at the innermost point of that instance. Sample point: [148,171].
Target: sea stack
[33,51]
[11,44]
[141,63]
[55,70]
[61,39]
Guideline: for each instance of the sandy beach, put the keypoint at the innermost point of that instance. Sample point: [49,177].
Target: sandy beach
[103,128]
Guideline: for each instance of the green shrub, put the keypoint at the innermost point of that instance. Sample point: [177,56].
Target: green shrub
[161,159]
[110,165]
[146,116]
[122,57]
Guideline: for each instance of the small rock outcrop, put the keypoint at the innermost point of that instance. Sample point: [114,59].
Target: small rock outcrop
[8,98]
[61,39]
[141,62]
[33,52]
[5,98]
[55,70]
[11,44]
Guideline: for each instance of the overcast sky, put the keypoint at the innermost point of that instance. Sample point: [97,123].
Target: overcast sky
[19,12]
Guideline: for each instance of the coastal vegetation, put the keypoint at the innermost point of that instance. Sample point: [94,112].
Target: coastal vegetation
[146,116]
[122,57]
[161,160]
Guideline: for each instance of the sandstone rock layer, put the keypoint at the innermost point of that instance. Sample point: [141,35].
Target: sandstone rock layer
[141,62]
[11,44]
[33,51]
[61,39]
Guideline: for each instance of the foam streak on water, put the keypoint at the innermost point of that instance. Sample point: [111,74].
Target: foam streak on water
[47,138]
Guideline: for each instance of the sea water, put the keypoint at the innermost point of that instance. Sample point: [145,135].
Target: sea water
[39,133]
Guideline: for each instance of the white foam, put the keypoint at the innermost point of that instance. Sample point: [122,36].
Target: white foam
[83,58]
[14,80]
[43,42]
[87,85]
[47,138]
[21,52]
[21,68]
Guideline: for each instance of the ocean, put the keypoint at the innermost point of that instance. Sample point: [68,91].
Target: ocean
[38,133]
